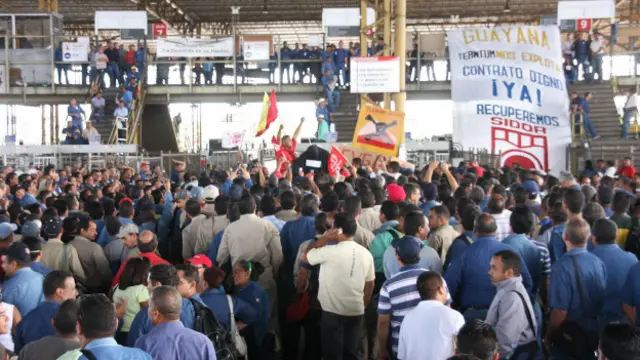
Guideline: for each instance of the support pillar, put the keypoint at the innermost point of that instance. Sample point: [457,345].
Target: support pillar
[387,42]
[401,51]
[364,50]
[44,125]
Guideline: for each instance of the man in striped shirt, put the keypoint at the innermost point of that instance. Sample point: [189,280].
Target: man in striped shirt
[398,295]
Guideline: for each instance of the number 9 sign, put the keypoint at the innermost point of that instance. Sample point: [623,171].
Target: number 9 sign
[583,25]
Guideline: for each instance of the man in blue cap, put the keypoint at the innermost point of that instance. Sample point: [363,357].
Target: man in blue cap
[429,192]
[399,294]
[23,288]
[6,238]
[532,188]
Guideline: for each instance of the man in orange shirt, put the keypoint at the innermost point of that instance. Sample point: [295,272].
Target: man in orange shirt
[285,147]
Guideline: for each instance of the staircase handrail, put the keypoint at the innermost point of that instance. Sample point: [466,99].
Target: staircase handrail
[136,117]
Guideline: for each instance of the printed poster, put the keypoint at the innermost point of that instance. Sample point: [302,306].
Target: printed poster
[379,130]
[509,94]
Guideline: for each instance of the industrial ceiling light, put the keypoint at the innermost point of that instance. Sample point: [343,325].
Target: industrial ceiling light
[506,9]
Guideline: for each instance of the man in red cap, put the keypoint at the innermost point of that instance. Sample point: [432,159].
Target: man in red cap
[145,171]
[200,262]
[395,193]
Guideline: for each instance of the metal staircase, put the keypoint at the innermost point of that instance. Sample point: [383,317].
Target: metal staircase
[346,115]
[606,121]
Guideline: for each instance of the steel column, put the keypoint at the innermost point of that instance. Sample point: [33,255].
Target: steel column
[401,51]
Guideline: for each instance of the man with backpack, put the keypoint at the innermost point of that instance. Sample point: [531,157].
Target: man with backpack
[169,339]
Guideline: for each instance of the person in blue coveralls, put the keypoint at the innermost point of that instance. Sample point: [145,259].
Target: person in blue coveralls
[316,64]
[72,134]
[586,119]
[577,292]
[329,86]
[285,54]
[581,49]
[76,113]
[341,56]
[62,68]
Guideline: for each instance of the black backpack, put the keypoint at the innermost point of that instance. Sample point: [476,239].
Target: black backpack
[207,324]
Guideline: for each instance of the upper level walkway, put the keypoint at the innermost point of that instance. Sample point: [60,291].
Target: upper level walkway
[48,82]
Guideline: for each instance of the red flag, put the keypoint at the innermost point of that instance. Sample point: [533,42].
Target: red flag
[269,113]
[337,161]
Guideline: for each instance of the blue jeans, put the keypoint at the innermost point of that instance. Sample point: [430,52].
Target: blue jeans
[63,69]
[98,114]
[333,99]
[100,74]
[626,120]
[77,122]
[114,73]
[588,125]
[584,63]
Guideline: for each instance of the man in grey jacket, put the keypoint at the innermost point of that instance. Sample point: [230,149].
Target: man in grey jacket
[511,313]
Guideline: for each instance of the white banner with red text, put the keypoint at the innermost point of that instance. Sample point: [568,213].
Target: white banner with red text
[510,95]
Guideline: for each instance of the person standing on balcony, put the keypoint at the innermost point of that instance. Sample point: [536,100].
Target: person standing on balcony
[586,119]
[60,66]
[101,60]
[581,48]
[112,68]
[285,54]
[98,104]
[130,58]
[76,113]
[630,111]
[140,57]
[598,48]
[341,56]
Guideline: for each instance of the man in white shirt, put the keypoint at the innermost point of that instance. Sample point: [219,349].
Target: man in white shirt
[98,104]
[90,132]
[346,284]
[121,110]
[501,215]
[101,61]
[598,48]
[630,111]
[429,330]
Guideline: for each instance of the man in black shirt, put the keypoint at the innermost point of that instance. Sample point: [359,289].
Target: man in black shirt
[112,68]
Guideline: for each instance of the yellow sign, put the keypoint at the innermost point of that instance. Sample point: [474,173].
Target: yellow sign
[379,130]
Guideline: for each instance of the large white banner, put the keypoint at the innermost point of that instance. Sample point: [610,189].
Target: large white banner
[509,94]
[191,47]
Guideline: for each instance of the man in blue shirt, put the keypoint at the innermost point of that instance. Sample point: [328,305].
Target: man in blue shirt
[298,231]
[97,323]
[341,56]
[23,288]
[159,275]
[462,242]
[60,66]
[329,86]
[58,286]
[169,339]
[76,113]
[399,294]
[285,54]
[127,97]
[586,119]
[617,263]
[581,49]
[467,277]
[429,194]
[577,291]
[572,203]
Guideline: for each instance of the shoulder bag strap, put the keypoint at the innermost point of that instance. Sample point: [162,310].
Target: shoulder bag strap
[526,311]
[65,265]
[232,315]
[88,354]
[578,280]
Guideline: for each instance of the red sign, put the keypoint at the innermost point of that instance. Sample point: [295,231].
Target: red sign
[583,24]
[337,161]
[159,30]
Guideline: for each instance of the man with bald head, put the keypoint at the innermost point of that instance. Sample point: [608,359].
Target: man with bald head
[169,339]
[466,276]
[147,246]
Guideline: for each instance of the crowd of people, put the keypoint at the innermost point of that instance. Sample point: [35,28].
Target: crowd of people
[583,53]
[379,262]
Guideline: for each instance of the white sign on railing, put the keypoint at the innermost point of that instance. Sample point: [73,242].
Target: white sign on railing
[256,50]
[75,51]
[232,140]
[376,74]
[191,47]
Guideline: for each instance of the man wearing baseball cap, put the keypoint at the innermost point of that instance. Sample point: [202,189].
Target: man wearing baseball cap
[395,193]
[200,262]
[23,288]
[197,236]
